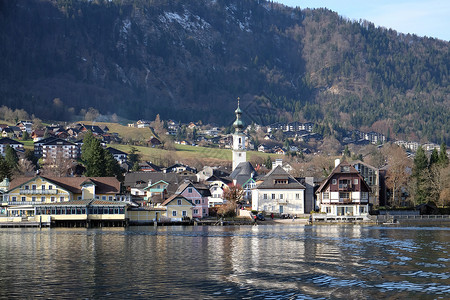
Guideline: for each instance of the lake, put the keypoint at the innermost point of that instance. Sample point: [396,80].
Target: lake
[206,262]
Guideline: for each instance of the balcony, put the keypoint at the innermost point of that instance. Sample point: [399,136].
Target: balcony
[345,187]
[38,192]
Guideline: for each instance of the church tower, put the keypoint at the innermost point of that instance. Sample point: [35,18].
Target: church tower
[239,152]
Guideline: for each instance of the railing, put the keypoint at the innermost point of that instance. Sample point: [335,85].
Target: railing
[423,217]
[23,202]
[345,187]
[38,192]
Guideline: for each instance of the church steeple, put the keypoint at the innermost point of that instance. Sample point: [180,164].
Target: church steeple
[238,124]
[239,152]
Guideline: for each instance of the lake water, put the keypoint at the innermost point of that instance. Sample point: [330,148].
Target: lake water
[270,262]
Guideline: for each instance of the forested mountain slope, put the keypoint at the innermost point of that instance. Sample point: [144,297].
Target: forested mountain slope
[190,60]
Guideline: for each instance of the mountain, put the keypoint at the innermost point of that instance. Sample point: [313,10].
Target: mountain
[190,60]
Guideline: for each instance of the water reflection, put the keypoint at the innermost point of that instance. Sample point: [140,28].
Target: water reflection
[282,262]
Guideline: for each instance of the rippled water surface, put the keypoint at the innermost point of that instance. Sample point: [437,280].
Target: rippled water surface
[270,262]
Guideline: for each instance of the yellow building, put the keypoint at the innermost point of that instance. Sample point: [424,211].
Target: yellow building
[178,208]
[26,192]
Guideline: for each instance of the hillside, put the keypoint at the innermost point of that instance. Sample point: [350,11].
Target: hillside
[190,60]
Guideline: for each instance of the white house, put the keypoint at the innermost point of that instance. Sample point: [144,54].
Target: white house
[280,193]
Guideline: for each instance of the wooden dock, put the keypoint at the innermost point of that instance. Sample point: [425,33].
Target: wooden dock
[24,224]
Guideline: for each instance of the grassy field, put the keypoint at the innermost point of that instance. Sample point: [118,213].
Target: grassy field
[125,132]
[182,153]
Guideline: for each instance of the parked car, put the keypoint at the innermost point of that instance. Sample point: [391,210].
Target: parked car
[286,216]
[260,217]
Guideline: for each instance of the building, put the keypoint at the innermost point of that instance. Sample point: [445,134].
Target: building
[118,155]
[371,176]
[279,193]
[59,148]
[26,192]
[178,208]
[344,192]
[239,152]
[198,195]
[4,142]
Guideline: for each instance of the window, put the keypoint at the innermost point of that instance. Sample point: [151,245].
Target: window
[52,199]
[43,187]
[344,195]
[297,196]
[355,181]
[273,196]
[24,198]
[184,213]
[281,196]
[203,201]
[33,187]
[103,197]
[27,187]
[42,199]
[328,210]
[14,199]
[265,196]
[204,211]
[79,198]
[33,199]
[196,211]
[326,195]
[190,190]
[197,201]
[334,182]
[61,199]
[50,187]
[179,202]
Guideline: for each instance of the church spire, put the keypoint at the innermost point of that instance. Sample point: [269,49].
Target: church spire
[238,124]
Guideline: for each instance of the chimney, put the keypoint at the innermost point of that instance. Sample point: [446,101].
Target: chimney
[337,161]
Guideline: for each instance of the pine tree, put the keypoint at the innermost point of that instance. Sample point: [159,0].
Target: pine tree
[93,156]
[443,158]
[434,158]
[268,163]
[11,157]
[419,168]
[5,169]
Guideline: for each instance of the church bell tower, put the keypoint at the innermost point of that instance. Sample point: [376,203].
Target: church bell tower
[239,152]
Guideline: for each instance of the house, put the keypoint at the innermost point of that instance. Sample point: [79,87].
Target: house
[4,142]
[153,141]
[59,148]
[198,195]
[372,177]
[179,208]
[8,132]
[280,193]
[181,169]
[344,192]
[25,192]
[217,186]
[118,155]
[38,145]
[96,130]
[25,126]
[156,193]
[149,167]
[37,135]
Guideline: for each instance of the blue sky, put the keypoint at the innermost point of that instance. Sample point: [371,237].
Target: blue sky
[422,17]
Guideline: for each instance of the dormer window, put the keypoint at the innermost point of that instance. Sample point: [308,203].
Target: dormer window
[281,181]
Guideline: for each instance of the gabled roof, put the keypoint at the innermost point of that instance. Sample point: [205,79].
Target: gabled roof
[114,151]
[104,185]
[278,174]
[174,179]
[176,197]
[243,168]
[8,141]
[216,178]
[46,140]
[58,142]
[342,168]
[158,182]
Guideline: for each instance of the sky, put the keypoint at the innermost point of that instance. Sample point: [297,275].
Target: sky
[421,17]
